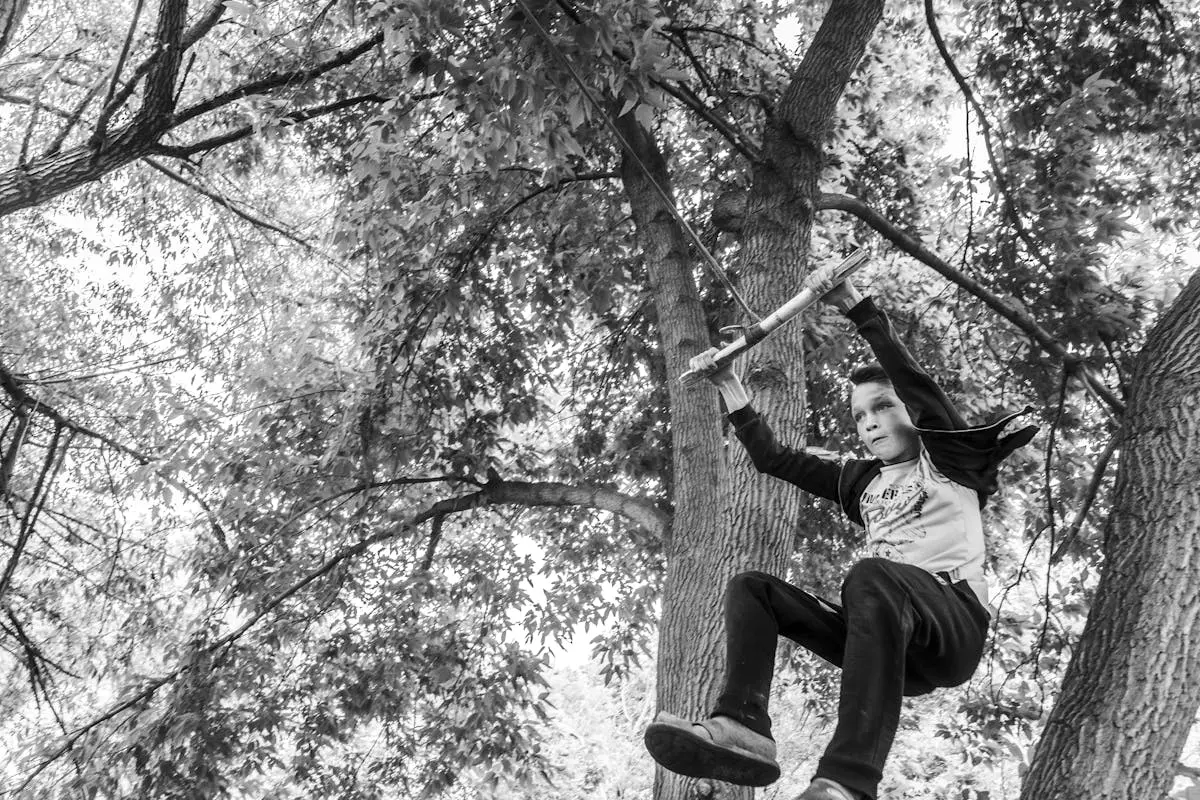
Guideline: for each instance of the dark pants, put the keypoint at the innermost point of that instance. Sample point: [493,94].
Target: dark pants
[899,631]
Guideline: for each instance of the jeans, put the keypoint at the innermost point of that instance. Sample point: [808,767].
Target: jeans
[898,631]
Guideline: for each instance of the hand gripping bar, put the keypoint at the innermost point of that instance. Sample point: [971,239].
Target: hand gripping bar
[817,285]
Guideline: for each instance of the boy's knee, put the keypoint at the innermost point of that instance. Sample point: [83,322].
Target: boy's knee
[747,583]
[869,577]
[869,571]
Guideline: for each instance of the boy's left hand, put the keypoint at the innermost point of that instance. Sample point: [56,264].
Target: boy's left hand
[843,296]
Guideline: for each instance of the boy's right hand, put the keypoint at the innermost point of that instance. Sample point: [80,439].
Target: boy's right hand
[706,364]
[724,378]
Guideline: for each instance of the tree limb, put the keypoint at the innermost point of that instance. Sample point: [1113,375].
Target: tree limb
[206,22]
[555,495]
[56,173]
[915,248]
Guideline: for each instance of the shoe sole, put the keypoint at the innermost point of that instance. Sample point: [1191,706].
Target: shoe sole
[697,757]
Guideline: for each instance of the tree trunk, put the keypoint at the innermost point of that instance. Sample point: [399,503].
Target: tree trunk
[756,528]
[691,652]
[1131,692]
[774,261]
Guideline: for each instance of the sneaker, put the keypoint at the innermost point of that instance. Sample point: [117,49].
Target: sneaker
[825,789]
[719,748]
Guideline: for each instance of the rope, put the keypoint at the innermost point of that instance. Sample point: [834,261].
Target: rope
[662,193]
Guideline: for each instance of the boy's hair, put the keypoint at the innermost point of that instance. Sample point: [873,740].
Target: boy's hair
[869,373]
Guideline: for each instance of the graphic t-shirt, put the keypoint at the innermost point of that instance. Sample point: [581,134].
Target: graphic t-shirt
[916,515]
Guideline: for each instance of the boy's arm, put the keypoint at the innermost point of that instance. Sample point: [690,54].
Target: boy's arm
[813,474]
[913,385]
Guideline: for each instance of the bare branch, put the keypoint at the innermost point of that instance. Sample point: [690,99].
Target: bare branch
[986,128]
[295,118]
[1089,498]
[279,80]
[50,467]
[11,13]
[226,203]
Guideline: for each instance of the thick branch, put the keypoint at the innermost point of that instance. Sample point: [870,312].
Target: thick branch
[913,246]
[555,495]
[807,107]
[54,174]
[206,22]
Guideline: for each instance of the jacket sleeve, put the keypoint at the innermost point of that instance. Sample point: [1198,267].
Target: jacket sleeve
[913,385]
[813,474]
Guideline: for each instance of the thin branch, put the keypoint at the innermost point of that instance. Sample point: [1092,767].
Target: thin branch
[22,157]
[913,247]
[435,536]
[64,378]
[294,118]
[740,141]
[681,30]
[40,489]
[227,204]
[278,80]
[986,128]
[73,119]
[14,387]
[485,235]
[1089,498]
[106,107]
[21,100]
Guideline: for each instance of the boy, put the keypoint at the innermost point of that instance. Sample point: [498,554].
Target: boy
[912,615]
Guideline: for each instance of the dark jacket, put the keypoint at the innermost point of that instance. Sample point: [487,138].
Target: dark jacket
[967,455]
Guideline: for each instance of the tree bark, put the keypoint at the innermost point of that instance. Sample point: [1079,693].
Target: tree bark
[691,652]
[1131,692]
[730,519]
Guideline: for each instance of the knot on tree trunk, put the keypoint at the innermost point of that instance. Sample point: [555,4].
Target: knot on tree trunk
[729,211]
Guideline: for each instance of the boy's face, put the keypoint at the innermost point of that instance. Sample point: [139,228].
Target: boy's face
[883,422]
